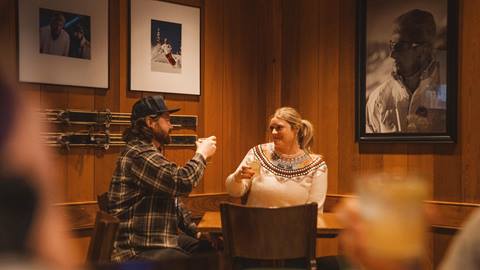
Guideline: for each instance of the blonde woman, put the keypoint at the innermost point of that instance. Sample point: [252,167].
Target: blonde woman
[283,172]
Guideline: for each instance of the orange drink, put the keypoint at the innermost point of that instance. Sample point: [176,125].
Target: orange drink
[255,165]
[392,209]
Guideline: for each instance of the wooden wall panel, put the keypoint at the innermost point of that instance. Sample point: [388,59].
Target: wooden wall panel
[469,97]
[349,156]
[421,157]
[8,61]
[257,56]
[80,161]
[53,96]
[452,171]
[104,161]
[240,48]
[329,103]
[270,55]
[243,124]
[213,91]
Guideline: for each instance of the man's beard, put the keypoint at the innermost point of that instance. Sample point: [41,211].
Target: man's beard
[161,137]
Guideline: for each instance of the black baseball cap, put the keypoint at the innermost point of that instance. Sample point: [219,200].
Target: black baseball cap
[150,106]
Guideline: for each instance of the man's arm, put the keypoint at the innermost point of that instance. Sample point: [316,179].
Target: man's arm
[185,223]
[157,174]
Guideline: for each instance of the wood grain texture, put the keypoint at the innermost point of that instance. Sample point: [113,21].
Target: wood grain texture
[328,103]
[448,169]
[449,216]
[469,96]
[270,55]
[213,91]
[243,122]
[200,203]
[80,215]
[257,56]
[239,73]
[239,68]
[8,32]
[348,150]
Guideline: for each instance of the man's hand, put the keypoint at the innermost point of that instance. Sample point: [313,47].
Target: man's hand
[207,147]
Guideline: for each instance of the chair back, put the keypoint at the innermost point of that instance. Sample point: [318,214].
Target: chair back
[102,201]
[270,233]
[104,234]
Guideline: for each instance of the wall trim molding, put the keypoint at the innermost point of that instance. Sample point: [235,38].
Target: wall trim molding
[447,215]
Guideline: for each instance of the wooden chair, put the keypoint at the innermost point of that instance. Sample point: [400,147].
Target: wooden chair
[102,201]
[104,234]
[269,236]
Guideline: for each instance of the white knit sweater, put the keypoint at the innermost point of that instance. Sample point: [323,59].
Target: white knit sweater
[282,182]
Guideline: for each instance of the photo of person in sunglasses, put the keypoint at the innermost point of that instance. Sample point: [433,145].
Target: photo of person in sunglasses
[412,98]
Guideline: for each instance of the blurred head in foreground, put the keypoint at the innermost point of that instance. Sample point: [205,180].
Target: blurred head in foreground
[30,227]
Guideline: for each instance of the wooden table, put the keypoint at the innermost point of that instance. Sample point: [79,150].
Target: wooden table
[328,224]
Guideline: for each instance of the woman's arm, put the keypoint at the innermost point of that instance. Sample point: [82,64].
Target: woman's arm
[318,189]
[235,184]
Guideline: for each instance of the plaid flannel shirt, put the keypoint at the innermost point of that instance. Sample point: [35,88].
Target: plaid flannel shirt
[143,195]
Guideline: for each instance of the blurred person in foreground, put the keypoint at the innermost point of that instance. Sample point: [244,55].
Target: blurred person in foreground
[145,187]
[284,172]
[33,233]
[463,253]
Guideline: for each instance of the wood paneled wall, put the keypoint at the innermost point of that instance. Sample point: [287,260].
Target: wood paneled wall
[240,88]
[256,56]
[318,78]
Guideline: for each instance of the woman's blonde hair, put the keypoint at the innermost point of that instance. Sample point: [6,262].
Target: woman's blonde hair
[304,127]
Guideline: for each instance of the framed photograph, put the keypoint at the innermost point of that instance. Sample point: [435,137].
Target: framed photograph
[164,47]
[63,42]
[406,79]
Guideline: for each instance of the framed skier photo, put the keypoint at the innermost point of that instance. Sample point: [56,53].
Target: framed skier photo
[406,84]
[164,47]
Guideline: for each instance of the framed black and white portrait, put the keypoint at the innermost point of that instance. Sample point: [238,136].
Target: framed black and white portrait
[164,47]
[63,42]
[406,70]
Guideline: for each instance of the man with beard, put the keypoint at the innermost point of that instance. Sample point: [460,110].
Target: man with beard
[411,99]
[145,187]
[53,38]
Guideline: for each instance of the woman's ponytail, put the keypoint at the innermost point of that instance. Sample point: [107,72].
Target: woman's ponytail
[305,136]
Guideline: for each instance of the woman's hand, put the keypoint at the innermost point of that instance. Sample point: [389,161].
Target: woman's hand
[246,172]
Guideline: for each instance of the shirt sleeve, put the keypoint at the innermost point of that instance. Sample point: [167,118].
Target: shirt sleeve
[318,190]
[238,189]
[156,174]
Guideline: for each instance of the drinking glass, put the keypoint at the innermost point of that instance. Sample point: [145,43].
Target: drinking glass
[255,165]
[391,207]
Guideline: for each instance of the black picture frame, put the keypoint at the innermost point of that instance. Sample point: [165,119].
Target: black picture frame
[385,112]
